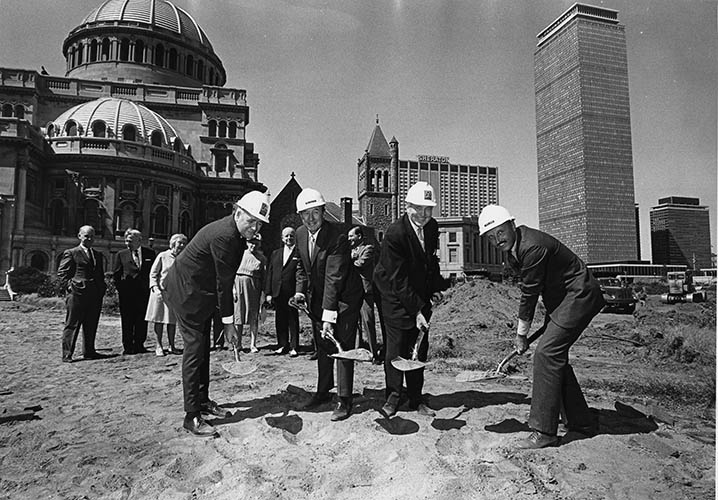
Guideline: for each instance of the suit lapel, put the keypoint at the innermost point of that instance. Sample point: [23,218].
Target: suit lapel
[301,247]
[415,243]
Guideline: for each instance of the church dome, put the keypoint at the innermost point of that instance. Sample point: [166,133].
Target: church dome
[142,41]
[115,118]
[157,13]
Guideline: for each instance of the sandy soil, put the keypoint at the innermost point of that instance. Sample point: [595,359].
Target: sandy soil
[111,429]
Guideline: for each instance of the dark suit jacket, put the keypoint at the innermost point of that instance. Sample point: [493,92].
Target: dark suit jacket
[363,259]
[330,282]
[202,276]
[128,277]
[407,275]
[77,269]
[281,278]
[549,269]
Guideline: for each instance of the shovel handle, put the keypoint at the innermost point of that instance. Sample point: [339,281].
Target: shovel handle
[236,353]
[327,334]
[514,353]
[415,351]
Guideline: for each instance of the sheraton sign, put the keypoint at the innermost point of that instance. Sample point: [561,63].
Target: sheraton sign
[432,158]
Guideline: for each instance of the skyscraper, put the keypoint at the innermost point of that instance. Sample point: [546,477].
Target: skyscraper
[681,232]
[583,135]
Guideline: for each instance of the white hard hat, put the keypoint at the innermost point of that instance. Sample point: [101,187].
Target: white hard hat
[421,194]
[309,198]
[492,216]
[255,204]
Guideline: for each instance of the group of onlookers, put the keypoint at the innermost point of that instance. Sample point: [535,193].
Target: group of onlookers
[336,277]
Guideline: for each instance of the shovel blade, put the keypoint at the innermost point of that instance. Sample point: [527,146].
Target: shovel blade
[240,367]
[407,365]
[353,355]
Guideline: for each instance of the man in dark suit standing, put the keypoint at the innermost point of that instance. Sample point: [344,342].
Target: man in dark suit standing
[201,280]
[280,285]
[363,258]
[84,271]
[407,276]
[331,287]
[131,275]
[572,298]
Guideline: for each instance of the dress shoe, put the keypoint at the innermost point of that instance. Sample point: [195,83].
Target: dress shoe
[423,410]
[198,427]
[391,405]
[586,430]
[253,350]
[536,441]
[212,408]
[281,350]
[317,400]
[141,350]
[293,354]
[94,355]
[159,351]
[174,350]
[313,356]
[343,409]
[67,359]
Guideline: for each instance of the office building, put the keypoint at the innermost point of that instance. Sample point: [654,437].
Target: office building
[583,126]
[681,233]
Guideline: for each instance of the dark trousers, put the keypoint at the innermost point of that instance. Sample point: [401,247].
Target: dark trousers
[555,384]
[195,365]
[345,332]
[133,307]
[400,342]
[83,310]
[286,321]
[368,323]
[214,326]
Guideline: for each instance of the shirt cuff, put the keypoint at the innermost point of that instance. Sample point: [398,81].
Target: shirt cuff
[329,316]
[524,327]
[228,320]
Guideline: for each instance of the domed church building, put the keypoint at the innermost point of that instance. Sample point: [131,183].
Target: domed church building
[140,132]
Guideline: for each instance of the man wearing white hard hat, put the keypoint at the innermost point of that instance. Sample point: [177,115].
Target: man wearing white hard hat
[572,297]
[408,278]
[332,289]
[197,284]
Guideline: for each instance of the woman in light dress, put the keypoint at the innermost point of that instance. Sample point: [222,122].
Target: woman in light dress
[158,312]
[248,286]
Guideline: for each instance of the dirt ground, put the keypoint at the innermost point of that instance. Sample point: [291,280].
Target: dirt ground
[112,429]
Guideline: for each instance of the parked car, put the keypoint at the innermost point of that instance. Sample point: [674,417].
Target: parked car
[618,295]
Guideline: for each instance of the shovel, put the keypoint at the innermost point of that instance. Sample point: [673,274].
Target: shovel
[407,365]
[359,354]
[238,367]
[473,376]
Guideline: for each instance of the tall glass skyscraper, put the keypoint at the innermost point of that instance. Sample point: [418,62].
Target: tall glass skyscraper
[583,135]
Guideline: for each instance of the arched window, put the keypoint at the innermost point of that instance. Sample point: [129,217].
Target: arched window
[50,129]
[57,216]
[200,70]
[232,129]
[80,49]
[99,129]
[72,57]
[124,50]
[211,76]
[38,260]
[212,128]
[20,111]
[161,222]
[126,217]
[139,51]
[371,180]
[386,181]
[223,128]
[189,65]
[173,59]
[129,133]
[105,56]
[177,144]
[7,111]
[93,51]
[159,55]
[71,129]
[156,138]
[185,224]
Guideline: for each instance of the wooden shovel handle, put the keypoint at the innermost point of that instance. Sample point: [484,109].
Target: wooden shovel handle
[533,337]
[415,352]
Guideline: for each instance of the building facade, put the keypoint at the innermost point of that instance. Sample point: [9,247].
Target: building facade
[461,190]
[139,132]
[681,233]
[583,126]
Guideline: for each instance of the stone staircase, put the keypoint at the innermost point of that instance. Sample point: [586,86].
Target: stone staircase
[5,295]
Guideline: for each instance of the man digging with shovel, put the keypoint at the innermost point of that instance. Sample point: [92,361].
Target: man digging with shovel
[407,276]
[572,298]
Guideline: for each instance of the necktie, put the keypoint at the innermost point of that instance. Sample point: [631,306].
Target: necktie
[312,244]
[92,257]
[136,257]
[420,235]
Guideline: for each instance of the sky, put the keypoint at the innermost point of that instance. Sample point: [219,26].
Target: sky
[448,78]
